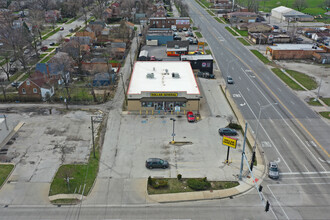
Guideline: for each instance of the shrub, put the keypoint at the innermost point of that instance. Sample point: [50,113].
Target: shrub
[205,179]
[159,184]
[234,126]
[198,184]
[150,181]
[179,177]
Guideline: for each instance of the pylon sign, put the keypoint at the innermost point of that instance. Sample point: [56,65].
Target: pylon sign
[228,141]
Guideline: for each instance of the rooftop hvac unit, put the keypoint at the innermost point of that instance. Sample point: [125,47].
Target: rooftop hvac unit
[175,75]
[176,46]
[150,75]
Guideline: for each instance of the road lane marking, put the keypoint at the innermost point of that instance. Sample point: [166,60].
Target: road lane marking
[285,140]
[266,144]
[284,119]
[328,161]
[306,168]
[248,89]
[279,204]
[267,135]
[305,173]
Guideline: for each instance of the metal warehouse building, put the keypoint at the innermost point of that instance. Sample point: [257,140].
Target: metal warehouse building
[163,87]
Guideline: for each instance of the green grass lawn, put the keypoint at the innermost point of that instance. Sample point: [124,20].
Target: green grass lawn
[43,55]
[305,80]
[50,49]
[177,186]
[313,5]
[292,84]
[201,4]
[51,33]
[242,33]
[231,31]
[325,114]
[243,41]
[314,102]
[79,175]
[326,101]
[208,52]
[210,12]
[198,34]
[5,170]
[260,56]
[195,28]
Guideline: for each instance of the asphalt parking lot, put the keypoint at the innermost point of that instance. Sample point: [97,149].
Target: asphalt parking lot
[148,137]
[40,146]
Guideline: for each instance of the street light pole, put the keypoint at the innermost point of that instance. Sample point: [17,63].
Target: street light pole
[173,134]
[93,136]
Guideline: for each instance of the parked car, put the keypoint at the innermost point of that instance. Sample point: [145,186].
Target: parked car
[12,60]
[273,170]
[180,30]
[184,29]
[26,51]
[15,84]
[153,58]
[299,39]
[52,44]
[227,131]
[191,116]
[177,38]
[156,163]
[230,80]
[204,74]
[71,30]
[44,48]
[62,28]
[275,27]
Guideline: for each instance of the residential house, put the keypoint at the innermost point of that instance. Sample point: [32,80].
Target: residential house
[104,36]
[259,28]
[83,40]
[104,79]
[97,65]
[52,16]
[96,27]
[222,4]
[107,14]
[37,86]
[242,17]
[3,3]
[323,58]
[91,35]
[321,36]
[55,72]
[19,23]
[162,35]
[116,12]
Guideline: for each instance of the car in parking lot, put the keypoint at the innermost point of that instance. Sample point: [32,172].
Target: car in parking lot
[227,131]
[156,163]
[52,44]
[177,38]
[276,27]
[13,70]
[273,170]
[191,117]
[184,29]
[230,80]
[204,74]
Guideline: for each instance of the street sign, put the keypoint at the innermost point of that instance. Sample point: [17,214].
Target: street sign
[173,135]
[228,141]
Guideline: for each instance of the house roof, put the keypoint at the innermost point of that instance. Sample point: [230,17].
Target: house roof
[102,76]
[86,34]
[282,9]
[295,47]
[40,80]
[162,80]
[197,57]
[243,14]
[51,68]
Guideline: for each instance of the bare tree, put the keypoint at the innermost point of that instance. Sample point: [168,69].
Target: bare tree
[44,4]
[252,5]
[101,5]
[300,4]
[36,18]
[6,68]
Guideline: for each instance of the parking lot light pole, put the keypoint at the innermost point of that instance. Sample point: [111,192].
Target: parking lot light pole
[173,134]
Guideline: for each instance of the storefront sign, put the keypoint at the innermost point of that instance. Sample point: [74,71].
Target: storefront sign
[228,141]
[161,94]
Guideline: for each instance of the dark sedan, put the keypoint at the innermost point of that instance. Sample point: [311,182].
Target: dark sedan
[227,131]
[156,163]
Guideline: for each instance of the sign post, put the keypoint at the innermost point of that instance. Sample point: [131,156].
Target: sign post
[230,142]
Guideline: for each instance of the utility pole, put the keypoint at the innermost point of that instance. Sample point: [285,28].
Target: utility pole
[173,134]
[93,136]
[243,153]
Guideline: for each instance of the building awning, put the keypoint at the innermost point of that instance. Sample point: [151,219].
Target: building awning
[163,99]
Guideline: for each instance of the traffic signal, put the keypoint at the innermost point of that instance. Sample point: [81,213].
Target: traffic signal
[253,159]
[260,188]
[267,206]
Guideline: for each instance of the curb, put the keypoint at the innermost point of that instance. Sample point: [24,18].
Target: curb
[11,134]
[4,182]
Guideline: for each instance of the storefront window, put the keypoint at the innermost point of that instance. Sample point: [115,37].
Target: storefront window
[147,104]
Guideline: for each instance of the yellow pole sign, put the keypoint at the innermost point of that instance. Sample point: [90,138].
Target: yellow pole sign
[228,141]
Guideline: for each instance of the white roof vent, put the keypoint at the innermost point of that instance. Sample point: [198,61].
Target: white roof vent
[175,75]
[150,75]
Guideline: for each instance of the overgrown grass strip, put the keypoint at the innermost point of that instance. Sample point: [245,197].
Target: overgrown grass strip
[244,42]
[260,56]
[292,84]
[198,34]
[5,170]
[231,31]
[305,80]
[325,114]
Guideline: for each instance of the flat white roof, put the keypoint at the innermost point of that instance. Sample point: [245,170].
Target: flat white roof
[295,47]
[162,81]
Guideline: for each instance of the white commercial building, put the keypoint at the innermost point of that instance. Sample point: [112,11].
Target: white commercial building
[163,86]
[287,14]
